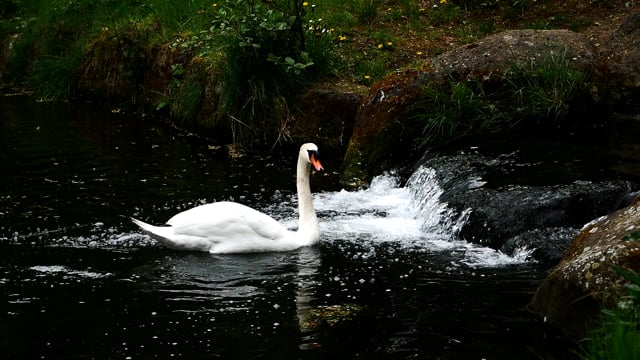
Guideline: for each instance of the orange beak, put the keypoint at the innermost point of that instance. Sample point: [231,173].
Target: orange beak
[316,163]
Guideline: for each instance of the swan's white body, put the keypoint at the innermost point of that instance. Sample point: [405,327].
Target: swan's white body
[228,227]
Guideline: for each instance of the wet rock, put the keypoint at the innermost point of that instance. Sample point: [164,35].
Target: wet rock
[498,214]
[547,245]
[383,134]
[585,279]
[506,216]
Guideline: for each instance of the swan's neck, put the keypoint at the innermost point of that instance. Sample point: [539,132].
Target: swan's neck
[308,225]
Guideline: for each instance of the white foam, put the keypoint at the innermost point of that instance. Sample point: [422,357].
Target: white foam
[59,269]
[411,217]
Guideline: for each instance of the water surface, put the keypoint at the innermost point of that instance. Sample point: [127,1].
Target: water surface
[389,279]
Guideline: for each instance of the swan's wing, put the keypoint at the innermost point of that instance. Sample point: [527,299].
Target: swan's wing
[227,222]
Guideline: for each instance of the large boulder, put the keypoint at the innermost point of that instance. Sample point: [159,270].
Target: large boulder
[385,133]
[489,58]
[619,63]
[586,278]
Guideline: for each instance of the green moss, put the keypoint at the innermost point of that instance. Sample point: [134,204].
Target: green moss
[334,315]
[354,172]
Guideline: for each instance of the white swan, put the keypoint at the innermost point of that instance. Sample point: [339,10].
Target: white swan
[229,227]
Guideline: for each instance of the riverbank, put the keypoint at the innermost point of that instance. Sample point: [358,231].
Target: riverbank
[175,62]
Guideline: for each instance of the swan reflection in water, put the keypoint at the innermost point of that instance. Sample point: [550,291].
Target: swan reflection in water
[267,286]
[247,293]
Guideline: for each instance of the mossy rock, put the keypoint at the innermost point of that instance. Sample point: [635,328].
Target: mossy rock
[383,134]
[329,316]
[388,129]
[325,116]
[586,279]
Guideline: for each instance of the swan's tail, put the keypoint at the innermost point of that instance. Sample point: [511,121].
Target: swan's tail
[167,237]
[160,233]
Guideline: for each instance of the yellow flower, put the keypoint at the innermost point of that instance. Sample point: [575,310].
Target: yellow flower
[342,38]
[419,53]
[443,1]
[214,5]
[367,77]
[389,43]
[305,4]
[380,46]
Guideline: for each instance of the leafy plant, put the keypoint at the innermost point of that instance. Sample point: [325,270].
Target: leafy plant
[264,46]
[619,335]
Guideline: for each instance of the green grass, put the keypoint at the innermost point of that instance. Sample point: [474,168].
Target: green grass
[367,10]
[268,51]
[539,93]
[618,338]
[457,108]
[53,34]
[52,76]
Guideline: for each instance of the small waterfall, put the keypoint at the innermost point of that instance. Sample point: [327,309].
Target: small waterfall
[436,216]
[412,217]
[387,211]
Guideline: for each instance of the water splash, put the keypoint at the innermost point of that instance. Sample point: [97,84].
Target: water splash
[388,215]
[436,216]
[410,218]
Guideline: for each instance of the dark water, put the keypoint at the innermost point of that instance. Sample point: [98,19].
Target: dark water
[77,280]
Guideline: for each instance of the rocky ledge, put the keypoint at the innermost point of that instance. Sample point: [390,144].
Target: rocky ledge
[384,134]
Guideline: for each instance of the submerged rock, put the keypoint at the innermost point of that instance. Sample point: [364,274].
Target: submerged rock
[586,278]
[499,214]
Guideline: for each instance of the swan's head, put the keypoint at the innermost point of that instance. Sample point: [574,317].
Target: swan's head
[310,151]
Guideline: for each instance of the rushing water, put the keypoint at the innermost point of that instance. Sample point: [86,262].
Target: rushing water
[389,279]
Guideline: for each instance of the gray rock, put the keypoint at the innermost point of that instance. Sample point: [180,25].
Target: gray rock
[585,279]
